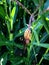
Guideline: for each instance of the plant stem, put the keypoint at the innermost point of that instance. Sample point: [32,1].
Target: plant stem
[11,24]
[42,56]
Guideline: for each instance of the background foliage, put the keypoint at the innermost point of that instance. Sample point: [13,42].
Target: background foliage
[14,18]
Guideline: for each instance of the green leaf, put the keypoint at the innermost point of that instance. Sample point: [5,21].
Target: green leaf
[10,44]
[37,25]
[13,15]
[3,59]
[36,36]
[1,2]
[2,12]
[46,56]
[46,5]
[16,60]
[36,2]
[21,32]
[46,26]
[2,37]
[7,43]
[44,37]
[45,45]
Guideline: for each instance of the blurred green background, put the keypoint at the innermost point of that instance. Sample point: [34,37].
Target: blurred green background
[14,18]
